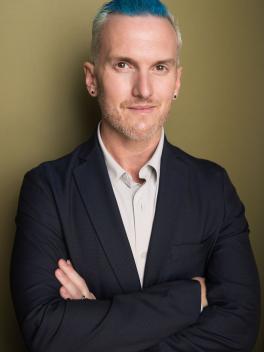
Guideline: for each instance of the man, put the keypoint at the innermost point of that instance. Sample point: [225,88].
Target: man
[128,243]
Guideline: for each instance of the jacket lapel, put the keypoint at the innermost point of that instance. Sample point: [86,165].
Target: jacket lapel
[97,194]
[170,208]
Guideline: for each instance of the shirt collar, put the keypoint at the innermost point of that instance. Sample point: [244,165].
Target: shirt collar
[116,171]
[154,161]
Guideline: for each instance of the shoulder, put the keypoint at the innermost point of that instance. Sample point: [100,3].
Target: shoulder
[61,169]
[196,168]
[206,181]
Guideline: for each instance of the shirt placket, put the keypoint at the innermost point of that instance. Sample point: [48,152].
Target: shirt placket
[141,228]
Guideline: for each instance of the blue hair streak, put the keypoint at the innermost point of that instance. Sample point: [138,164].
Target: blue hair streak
[136,8]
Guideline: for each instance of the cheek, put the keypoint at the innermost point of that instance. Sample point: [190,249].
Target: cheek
[115,88]
[166,99]
[164,89]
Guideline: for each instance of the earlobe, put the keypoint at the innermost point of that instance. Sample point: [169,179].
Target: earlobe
[178,82]
[90,78]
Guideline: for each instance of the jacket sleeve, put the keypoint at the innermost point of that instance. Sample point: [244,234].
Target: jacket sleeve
[231,321]
[127,322]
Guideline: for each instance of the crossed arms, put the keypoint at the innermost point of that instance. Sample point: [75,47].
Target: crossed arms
[164,317]
[75,287]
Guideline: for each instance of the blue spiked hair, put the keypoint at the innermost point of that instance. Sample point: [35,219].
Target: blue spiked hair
[136,7]
[130,8]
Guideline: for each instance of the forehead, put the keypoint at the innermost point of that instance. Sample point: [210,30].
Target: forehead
[131,36]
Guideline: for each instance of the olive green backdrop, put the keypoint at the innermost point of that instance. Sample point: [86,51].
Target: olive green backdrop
[45,111]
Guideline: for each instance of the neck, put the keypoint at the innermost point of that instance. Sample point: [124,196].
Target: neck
[131,155]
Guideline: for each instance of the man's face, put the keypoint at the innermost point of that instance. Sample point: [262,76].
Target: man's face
[136,76]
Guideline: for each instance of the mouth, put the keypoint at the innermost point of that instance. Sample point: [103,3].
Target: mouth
[142,108]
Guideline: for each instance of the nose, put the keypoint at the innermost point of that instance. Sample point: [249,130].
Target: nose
[142,87]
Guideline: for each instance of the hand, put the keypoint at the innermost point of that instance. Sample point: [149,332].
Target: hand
[204,301]
[73,285]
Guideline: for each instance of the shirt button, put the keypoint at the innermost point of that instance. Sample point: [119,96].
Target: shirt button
[143,255]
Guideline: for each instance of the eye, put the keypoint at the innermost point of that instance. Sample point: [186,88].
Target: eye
[161,68]
[121,65]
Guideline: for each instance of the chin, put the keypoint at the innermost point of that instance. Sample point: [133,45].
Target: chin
[135,130]
[139,134]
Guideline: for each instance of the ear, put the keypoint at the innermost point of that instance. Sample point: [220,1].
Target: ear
[178,81]
[90,78]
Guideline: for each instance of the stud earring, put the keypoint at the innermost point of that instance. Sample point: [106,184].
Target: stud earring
[175,97]
[92,92]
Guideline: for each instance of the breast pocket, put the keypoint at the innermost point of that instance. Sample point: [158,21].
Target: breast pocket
[188,260]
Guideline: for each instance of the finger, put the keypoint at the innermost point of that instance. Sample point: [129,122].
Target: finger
[200,279]
[64,293]
[91,296]
[73,276]
[68,284]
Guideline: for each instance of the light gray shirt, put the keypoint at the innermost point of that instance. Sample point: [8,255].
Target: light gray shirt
[136,202]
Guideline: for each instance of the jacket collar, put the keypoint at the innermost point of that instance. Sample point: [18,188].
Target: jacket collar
[97,194]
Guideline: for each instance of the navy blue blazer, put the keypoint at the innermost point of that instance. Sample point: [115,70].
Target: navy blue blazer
[67,209]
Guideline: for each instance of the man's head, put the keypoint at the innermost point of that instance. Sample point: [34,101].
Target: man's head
[135,68]
[131,8]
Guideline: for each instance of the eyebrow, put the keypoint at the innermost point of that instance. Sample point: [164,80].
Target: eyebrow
[134,62]
[167,61]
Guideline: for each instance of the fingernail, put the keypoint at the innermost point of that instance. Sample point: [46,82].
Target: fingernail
[61,262]
[68,262]
[59,272]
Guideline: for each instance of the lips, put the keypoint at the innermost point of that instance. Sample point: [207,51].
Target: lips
[142,108]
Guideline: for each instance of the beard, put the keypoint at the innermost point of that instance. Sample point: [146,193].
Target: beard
[133,130]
